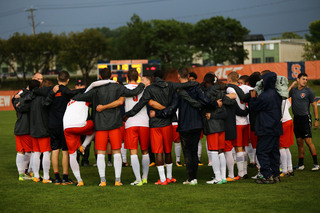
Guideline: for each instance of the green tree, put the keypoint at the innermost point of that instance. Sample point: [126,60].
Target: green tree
[312,48]
[221,39]
[82,50]
[288,35]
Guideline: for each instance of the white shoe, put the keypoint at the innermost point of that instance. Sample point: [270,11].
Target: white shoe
[192,182]
[109,163]
[214,181]
[315,167]
[257,176]
[299,167]
[136,183]
[210,163]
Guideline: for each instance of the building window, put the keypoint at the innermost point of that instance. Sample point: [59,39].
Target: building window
[256,60]
[269,59]
[256,47]
[269,46]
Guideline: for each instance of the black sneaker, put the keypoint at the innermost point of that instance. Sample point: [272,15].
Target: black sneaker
[291,173]
[57,181]
[265,180]
[244,177]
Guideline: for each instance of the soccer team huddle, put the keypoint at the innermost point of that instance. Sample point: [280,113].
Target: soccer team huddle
[157,113]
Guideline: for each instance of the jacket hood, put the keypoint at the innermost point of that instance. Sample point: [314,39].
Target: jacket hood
[269,80]
[160,82]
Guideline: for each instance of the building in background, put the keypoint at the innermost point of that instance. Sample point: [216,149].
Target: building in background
[274,51]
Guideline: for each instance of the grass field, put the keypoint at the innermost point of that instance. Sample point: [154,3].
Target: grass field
[300,193]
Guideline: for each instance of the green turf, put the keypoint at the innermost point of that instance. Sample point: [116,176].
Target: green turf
[300,193]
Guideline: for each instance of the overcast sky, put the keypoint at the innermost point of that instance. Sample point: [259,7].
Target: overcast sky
[267,17]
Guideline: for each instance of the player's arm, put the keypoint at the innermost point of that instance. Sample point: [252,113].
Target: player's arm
[42,91]
[176,86]
[257,104]
[168,111]
[194,103]
[291,86]
[88,96]
[156,105]
[49,99]
[242,96]
[70,93]
[316,114]
[111,105]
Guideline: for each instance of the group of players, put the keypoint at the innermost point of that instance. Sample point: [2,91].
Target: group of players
[156,112]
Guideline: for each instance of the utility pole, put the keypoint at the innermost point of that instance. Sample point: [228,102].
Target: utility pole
[32,19]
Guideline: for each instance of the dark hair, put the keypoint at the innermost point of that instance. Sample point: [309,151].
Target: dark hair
[193,74]
[159,74]
[209,79]
[183,72]
[302,75]
[133,75]
[105,73]
[34,84]
[254,78]
[245,78]
[265,71]
[47,83]
[223,86]
[63,76]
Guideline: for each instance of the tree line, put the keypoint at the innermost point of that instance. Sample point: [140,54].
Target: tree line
[174,43]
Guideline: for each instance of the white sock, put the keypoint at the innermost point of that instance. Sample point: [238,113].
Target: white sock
[75,166]
[145,166]
[20,163]
[30,163]
[46,165]
[283,160]
[36,164]
[208,153]
[169,170]
[117,164]
[230,163]
[199,149]
[27,157]
[254,155]
[234,154]
[249,150]
[289,160]
[88,140]
[161,173]
[216,164]
[124,153]
[245,163]
[240,161]
[136,167]
[177,150]
[101,164]
[223,166]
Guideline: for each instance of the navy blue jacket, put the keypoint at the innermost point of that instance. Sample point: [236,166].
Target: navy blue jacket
[268,108]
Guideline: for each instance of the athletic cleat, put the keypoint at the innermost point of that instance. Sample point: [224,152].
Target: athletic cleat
[315,167]
[224,181]
[136,183]
[291,173]
[161,183]
[229,179]
[257,176]
[265,180]
[214,181]
[172,180]
[57,181]
[46,181]
[178,164]
[125,164]
[237,178]
[23,177]
[103,183]
[82,149]
[283,174]
[199,163]
[277,179]
[297,167]
[191,183]
[152,164]
[244,177]
[30,175]
[80,183]
[67,182]
[144,181]
[209,163]
[109,163]
[36,179]
[118,183]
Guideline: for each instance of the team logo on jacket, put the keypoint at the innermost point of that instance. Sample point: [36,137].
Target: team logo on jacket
[302,95]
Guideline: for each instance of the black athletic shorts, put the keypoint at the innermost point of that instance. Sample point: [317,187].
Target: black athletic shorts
[58,140]
[302,126]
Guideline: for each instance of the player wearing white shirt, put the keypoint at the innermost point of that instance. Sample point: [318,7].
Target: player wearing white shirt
[137,129]
[242,123]
[286,140]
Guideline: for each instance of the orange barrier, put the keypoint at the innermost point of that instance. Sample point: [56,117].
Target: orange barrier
[5,99]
